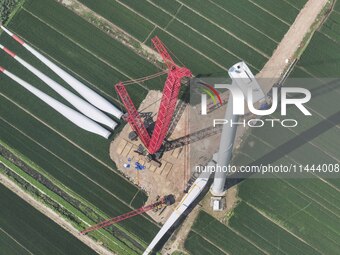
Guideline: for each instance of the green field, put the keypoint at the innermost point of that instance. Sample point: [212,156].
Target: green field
[221,236]
[199,246]
[321,59]
[124,18]
[297,3]
[281,9]
[204,30]
[243,31]
[260,19]
[24,230]
[54,194]
[265,233]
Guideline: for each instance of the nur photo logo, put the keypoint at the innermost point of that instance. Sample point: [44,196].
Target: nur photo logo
[244,95]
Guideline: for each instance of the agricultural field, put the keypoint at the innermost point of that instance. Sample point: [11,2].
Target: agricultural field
[203,30]
[290,216]
[24,230]
[220,236]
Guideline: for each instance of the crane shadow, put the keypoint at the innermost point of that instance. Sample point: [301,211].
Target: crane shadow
[180,108]
[325,88]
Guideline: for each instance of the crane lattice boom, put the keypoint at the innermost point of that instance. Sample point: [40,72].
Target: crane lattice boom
[133,116]
[106,223]
[167,106]
[159,46]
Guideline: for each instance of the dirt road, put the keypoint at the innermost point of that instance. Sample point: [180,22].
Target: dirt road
[291,43]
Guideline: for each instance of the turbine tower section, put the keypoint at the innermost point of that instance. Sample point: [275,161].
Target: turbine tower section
[244,79]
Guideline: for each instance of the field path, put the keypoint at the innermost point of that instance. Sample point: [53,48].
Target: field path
[53,216]
[291,42]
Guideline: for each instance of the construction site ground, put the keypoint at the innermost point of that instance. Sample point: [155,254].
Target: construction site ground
[164,180]
[176,164]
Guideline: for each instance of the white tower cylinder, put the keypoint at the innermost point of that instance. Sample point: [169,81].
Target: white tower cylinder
[225,150]
[245,80]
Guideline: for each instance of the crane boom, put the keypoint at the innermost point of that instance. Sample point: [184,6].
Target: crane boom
[167,105]
[160,47]
[133,116]
[165,200]
[169,98]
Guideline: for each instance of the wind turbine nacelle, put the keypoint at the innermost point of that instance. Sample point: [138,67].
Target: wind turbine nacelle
[245,80]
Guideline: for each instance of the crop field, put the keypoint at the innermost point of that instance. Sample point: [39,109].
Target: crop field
[281,9]
[24,230]
[290,216]
[200,34]
[203,30]
[321,59]
[297,3]
[215,233]
[198,245]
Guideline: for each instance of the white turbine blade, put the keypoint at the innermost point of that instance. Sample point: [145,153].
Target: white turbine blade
[195,190]
[80,104]
[87,93]
[72,115]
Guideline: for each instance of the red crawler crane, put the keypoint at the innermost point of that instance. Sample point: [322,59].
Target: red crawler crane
[133,116]
[168,200]
[167,106]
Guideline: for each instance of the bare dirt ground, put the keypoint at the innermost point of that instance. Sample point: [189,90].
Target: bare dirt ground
[177,164]
[164,180]
[175,171]
[4,180]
